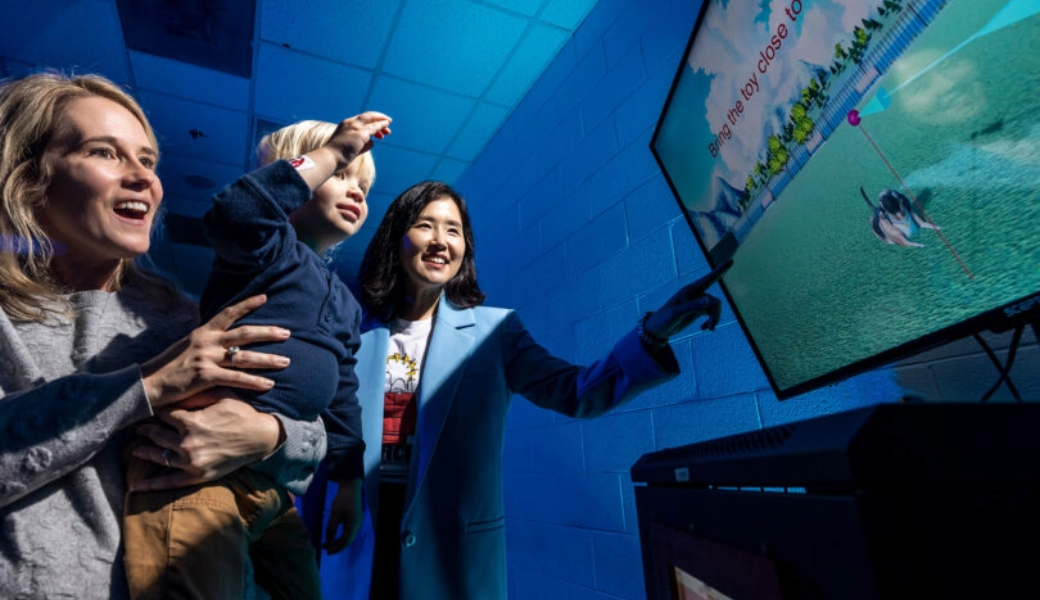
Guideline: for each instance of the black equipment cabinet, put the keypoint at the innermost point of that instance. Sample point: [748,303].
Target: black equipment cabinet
[889,501]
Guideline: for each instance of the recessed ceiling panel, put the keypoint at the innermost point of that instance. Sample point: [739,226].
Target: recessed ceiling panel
[536,50]
[12,68]
[52,35]
[448,169]
[351,31]
[261,128]
[448,71]
[189,183]
[183,80]
[566,13]
[398,168]
[378,202]
[528,8]
[212,34]
[424,118]
[454,45]
[195,130]
[291,86]
[477,130]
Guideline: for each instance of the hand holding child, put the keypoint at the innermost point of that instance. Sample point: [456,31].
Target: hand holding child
[201,360]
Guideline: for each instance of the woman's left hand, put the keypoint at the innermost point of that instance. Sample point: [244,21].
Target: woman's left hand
[206,437]
[686,306]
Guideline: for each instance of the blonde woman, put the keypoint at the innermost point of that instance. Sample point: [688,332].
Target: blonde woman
[92,345]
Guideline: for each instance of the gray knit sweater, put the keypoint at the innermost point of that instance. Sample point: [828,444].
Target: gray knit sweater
[68,390]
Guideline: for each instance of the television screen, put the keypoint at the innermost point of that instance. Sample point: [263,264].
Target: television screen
[871,166]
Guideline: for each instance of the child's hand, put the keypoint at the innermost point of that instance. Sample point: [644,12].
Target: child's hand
[354,135]
[345,516]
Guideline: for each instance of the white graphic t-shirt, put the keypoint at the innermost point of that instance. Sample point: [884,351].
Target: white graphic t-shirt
[404,358]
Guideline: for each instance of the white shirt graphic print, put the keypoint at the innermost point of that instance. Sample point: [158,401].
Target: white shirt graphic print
[408,340]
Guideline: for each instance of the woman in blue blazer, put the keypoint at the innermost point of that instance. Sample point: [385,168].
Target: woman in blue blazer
[437,372]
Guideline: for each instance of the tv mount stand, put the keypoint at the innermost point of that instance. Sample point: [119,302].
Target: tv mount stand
[1029,318]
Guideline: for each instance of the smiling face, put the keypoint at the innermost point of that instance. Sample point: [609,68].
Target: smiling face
[433,248]
[103,192]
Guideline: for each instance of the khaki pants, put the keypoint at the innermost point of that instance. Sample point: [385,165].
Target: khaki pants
[194,542]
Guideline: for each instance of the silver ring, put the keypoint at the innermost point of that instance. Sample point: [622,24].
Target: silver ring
[230,354]
[166,455]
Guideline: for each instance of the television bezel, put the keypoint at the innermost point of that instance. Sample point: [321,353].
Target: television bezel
[1026,310]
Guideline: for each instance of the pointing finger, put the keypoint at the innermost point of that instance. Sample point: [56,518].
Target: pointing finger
[708,280]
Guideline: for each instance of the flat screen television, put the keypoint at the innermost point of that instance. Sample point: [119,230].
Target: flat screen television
[872,167]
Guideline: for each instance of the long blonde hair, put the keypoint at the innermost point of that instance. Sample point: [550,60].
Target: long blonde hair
[32,110]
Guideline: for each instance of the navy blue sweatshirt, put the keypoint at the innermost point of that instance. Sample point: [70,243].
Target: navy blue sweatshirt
[258,253]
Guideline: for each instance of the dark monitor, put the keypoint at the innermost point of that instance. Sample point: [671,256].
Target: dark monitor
[872,168]
[886,502]
[691,567]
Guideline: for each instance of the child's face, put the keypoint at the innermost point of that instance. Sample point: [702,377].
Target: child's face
[341,201]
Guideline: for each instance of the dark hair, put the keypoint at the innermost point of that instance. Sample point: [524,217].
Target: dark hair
[893,201]
[382,277]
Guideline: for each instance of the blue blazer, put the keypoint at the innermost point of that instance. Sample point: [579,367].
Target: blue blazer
[452,532]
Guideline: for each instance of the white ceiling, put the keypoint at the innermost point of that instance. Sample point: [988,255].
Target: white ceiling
[447,71]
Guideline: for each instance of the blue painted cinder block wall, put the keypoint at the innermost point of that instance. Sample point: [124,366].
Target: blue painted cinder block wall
[576,228]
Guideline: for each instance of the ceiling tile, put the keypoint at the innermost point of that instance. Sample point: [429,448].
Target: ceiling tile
[424,118]
[184,182]
[448,170]
[175,78]
[471,42]
[216,35]
[448,71]
[328,27]
[525,7]
[477,130]
[291,87]
[378,202]
[536,50]
[220,135]
[398,168]
[566,13]
[12,68]
[51,35]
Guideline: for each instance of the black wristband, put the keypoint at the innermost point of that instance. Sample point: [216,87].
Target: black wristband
[651,342]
